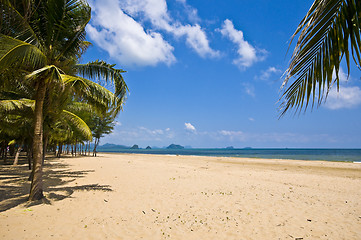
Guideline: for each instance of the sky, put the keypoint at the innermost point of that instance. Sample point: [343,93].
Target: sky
[207,74]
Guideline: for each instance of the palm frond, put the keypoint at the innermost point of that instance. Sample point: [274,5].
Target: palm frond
[76,15]
[78,124]
[79,107]
[91,92]
[15,24]
[48,74]
[326,33]
[101,70]
[17,106]
[13,51]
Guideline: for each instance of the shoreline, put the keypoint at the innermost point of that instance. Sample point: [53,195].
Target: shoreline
[143,196]
[334,155]
[214,156]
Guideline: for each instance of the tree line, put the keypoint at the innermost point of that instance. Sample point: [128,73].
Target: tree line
[48,99]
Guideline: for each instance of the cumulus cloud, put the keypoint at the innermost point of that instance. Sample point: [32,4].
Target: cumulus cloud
[196,38]
[191,12]
[124,38]
[156,12]
[189,127]
[121,28]
[248,54]
[265,75]
[346,97]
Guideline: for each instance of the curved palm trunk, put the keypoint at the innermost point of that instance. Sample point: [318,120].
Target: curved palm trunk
[36,191]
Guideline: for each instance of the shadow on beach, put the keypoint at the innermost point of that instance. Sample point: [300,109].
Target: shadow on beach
[15,186]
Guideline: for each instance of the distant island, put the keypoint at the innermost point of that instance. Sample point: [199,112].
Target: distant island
[174,146]
[108,147]
[135,146]
[112,146]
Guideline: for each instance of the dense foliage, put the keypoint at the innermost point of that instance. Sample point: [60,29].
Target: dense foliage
[46,101]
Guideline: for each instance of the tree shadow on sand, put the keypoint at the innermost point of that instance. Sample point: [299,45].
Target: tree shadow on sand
[15,187]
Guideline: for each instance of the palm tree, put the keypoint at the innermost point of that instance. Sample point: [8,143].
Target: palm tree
[329,32]
[45,39]
[101,125]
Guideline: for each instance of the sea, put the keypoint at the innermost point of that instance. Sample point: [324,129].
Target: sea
[339,155]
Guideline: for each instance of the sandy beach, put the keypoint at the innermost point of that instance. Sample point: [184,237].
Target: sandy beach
[125,196]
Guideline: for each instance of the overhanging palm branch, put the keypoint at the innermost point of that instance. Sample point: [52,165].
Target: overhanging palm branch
[329,31]
[93,93]
[78,124]
[101,70]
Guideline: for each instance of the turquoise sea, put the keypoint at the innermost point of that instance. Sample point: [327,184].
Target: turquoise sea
[345,155]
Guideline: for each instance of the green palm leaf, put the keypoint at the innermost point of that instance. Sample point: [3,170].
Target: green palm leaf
[78,124]
[13,51]
[17,106]
[15,25]
[91,92]
[326,33]
[101,70]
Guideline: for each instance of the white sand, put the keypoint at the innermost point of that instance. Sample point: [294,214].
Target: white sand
[123,196]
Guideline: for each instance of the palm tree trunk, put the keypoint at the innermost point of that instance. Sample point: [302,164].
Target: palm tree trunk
[96,142]
[36,191]
[29,156]
[16,160]
[45,146]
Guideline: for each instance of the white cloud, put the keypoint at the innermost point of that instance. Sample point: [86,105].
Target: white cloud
[114,28]
[265,75]
[232,135]
[249,89]
[251,119]
[138,135]
[347,97]
[191,12]
[196,38]
[248,54]
[189,127]
[124,38]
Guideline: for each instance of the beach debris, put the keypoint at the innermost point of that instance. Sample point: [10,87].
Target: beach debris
[105,200]
[143,212]
[153,210]
[309,220]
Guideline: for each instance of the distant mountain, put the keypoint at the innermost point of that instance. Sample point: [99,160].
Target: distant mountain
[230,147]
[175,146]
[112,146]
[148,147]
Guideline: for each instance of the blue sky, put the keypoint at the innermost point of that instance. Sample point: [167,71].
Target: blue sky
[208,74]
